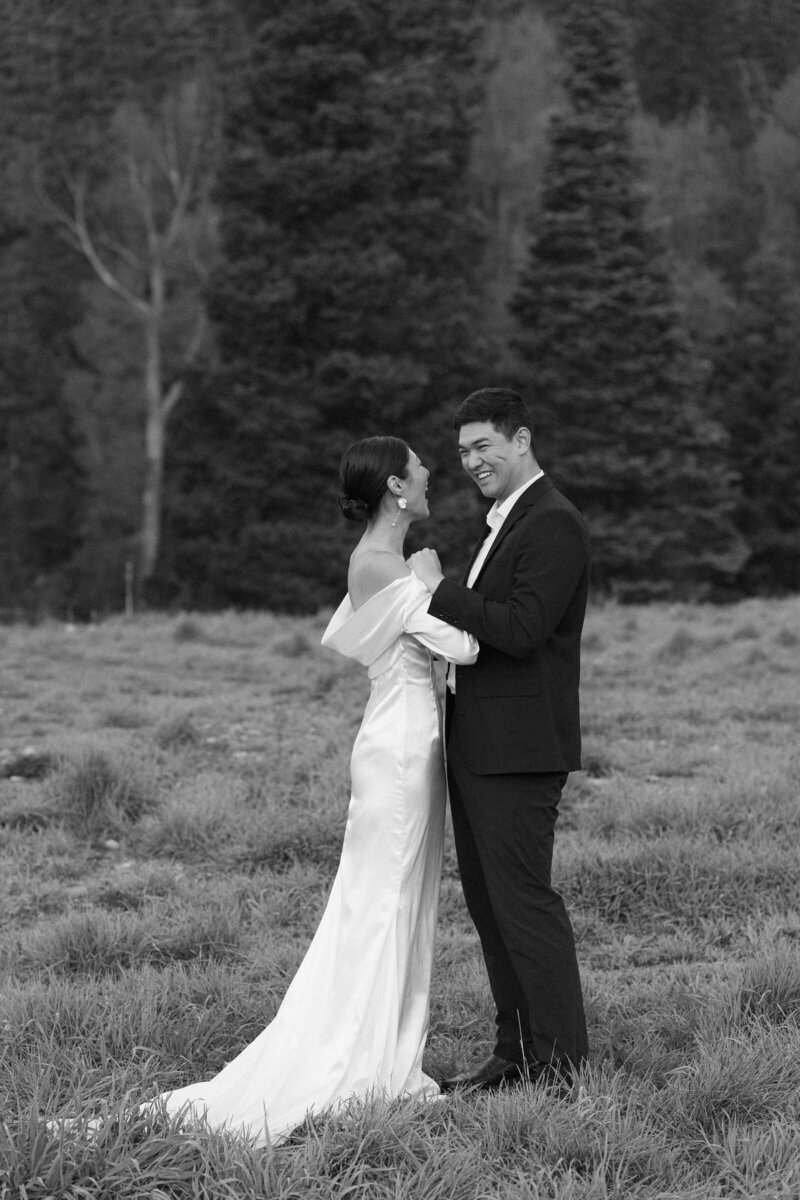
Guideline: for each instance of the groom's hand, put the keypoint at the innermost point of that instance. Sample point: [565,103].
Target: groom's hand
[426,566]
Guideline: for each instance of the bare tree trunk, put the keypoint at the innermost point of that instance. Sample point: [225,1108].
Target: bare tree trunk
[154,451]
[167,170]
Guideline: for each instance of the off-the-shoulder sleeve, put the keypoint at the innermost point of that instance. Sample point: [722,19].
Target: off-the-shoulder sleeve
[456,645]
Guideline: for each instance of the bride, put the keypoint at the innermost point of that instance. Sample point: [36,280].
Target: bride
[354,1020]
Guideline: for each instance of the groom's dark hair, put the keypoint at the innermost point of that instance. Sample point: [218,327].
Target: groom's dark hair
[504,409]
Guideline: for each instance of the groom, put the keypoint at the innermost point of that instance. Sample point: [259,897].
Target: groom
[513,735]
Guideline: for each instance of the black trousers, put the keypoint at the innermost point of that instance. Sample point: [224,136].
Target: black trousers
[503,827]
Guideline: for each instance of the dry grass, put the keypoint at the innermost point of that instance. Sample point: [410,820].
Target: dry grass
[172,798]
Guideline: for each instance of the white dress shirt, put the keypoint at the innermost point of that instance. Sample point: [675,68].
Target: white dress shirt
[494,519]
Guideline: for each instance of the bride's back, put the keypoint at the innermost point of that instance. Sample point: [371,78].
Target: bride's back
[371,571]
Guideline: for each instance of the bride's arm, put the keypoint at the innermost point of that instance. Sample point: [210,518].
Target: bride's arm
[456,645]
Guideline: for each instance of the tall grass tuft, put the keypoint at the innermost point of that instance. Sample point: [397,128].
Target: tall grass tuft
[752,1076]
[771,987]
[97,942]
[97,794]
[278,842]
[204,815]
[749,632]
[678,647]
[120,716]
[135,1155]
[176,733]
[670,878]
[188,629]
[294,646]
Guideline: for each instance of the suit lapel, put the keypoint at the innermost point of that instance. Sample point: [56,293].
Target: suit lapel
[528,498]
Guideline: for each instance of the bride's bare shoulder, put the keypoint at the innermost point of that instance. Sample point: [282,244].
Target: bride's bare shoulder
[371,571]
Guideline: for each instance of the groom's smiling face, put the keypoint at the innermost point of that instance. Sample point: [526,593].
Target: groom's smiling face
[497,464]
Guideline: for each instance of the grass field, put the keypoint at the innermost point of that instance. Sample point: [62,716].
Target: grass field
[172,801]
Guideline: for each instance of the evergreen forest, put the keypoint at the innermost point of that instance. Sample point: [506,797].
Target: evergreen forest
[237,235]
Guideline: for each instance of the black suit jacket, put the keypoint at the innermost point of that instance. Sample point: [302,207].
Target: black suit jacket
[517,708]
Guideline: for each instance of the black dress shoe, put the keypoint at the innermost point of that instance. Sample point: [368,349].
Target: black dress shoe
[495,1072]
[498,1072]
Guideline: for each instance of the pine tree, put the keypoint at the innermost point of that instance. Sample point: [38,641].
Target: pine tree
[344,307]
[723,56]
[65,69]
[42,486]
[613,385]
[754,388]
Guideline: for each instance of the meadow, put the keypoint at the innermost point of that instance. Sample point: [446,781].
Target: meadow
[173,792]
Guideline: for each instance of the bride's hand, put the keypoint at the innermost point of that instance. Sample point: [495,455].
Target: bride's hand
[426,566]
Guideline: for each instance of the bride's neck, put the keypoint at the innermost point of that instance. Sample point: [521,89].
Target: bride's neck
[381,534]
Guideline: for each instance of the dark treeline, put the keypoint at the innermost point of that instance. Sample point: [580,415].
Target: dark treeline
[236,238]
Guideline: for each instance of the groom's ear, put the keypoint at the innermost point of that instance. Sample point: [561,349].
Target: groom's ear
[524,438]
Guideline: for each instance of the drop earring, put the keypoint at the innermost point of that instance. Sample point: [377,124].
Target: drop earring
[402,504]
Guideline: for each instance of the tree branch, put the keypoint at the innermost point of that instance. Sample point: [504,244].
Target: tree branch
[172,396]
[122,252]
[175,390]
[77,228]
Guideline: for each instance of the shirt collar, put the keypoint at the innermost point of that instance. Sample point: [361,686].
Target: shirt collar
[498,512]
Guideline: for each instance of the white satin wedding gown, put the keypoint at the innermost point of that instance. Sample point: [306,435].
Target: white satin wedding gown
[354,1019]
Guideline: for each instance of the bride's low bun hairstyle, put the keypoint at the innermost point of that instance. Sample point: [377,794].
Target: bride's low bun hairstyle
[364,470]
[354,510]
